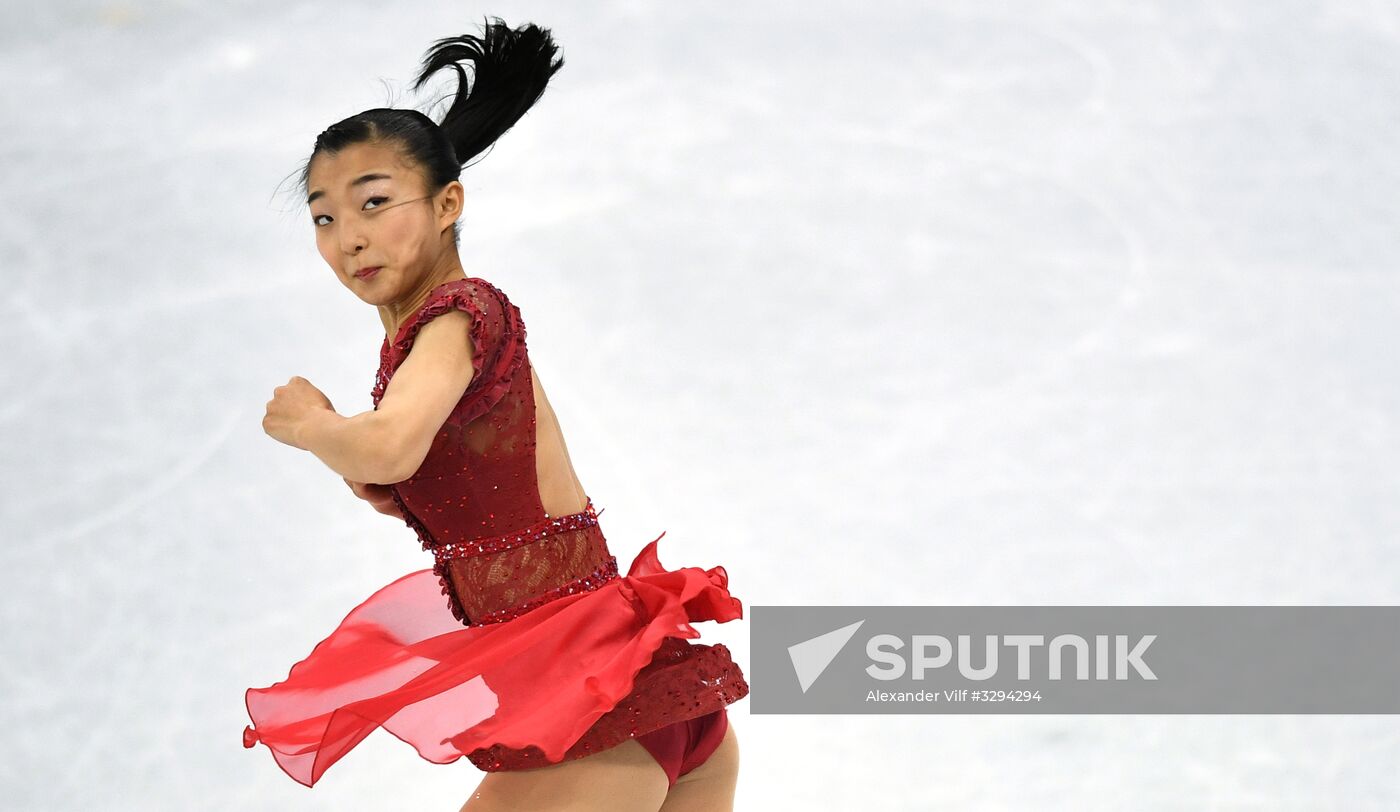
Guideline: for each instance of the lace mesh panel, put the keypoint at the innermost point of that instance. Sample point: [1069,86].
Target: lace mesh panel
[490,585]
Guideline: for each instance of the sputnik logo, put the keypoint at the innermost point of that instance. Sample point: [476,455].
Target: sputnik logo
[811,657]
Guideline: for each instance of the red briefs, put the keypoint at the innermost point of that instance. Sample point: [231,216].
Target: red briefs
[682,746]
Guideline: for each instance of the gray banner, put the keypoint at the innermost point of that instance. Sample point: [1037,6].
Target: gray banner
[1075,659]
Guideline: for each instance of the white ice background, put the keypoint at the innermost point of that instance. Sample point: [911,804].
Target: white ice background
[872,303]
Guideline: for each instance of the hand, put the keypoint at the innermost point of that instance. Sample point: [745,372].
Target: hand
[290,405]
[377,495]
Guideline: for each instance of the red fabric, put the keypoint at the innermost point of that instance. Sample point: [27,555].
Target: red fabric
[682,746]
[522,646]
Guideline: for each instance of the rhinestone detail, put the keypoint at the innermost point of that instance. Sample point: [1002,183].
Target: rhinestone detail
[486,545]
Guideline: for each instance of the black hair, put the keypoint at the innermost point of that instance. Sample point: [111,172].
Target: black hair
[512,66]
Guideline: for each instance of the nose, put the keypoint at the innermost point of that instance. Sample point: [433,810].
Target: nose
[352,242]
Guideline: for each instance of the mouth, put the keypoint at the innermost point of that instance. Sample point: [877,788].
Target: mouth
[366,273]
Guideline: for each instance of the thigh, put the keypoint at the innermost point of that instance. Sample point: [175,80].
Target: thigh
[624,778]
[709,787]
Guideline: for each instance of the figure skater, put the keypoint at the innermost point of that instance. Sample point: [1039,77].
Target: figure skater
[523,647]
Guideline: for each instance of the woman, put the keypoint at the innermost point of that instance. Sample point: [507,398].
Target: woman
[523,648]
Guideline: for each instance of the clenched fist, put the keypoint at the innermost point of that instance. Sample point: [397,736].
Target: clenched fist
[291,403]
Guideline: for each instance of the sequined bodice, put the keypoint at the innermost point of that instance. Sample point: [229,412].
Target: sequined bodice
[475,500]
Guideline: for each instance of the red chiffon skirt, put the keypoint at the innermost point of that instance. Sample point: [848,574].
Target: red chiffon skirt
[580,673]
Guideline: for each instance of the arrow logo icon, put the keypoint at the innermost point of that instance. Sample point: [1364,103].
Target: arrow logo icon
[811,657]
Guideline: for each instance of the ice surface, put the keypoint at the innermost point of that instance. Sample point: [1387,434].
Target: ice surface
[929,303]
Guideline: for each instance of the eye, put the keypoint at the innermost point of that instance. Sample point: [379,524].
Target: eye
[316,219]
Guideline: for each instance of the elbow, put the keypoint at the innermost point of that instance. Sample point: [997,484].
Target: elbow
[396,466]
[389,473]
[395,473]
[395,460]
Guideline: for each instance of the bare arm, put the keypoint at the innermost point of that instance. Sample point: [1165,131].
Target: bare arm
[389,444]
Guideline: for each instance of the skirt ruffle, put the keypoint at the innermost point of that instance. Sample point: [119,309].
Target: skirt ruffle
[399,660]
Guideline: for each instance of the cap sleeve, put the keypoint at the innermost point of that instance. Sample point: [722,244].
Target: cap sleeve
[497,335]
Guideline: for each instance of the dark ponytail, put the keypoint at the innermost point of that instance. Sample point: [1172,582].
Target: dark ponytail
[511,69]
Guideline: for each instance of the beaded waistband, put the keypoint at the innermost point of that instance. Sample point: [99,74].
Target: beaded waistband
[486,545]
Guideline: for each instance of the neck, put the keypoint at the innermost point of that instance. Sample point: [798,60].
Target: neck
[396,313]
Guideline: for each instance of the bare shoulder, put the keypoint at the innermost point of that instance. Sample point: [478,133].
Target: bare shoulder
[444,341]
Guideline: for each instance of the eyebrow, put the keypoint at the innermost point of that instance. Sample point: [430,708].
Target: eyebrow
[356,182]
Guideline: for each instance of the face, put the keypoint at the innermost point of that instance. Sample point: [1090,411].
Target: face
[370,209]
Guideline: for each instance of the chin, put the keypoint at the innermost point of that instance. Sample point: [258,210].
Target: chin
[376,291]
[358,287]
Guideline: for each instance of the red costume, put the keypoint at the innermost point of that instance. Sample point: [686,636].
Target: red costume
[523,645]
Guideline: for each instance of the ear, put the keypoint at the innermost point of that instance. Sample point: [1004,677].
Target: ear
[447,204]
